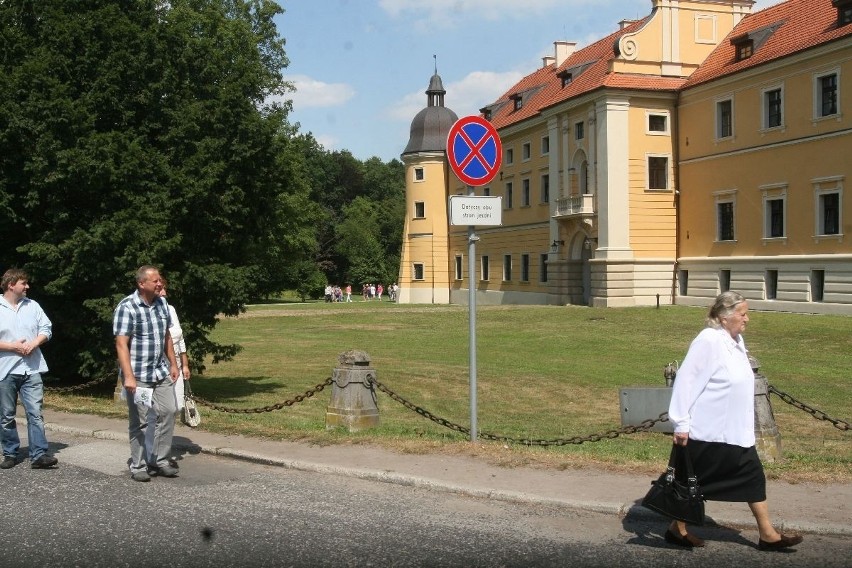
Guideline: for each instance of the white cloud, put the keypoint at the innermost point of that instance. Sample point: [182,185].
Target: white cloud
[327,141]
[313,93]
[464,97]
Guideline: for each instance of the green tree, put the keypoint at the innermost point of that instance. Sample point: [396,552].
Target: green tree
[136,132]
[358,240]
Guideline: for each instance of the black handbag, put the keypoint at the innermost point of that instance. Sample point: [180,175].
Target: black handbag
[674,495]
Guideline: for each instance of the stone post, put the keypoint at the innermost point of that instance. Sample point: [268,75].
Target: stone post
[766,435]
[353,399]
[119,389]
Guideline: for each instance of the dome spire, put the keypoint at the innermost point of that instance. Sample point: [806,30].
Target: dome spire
[430,127]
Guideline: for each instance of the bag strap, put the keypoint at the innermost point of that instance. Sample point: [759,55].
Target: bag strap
[681,454]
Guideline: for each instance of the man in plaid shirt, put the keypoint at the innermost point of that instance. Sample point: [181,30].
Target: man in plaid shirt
[148,369]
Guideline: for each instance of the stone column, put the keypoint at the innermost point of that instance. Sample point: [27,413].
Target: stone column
[767,439]
[353,399]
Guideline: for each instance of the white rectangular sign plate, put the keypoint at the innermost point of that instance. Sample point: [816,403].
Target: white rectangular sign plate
[476,210]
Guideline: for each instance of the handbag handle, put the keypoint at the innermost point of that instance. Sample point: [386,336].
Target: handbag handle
[681,453]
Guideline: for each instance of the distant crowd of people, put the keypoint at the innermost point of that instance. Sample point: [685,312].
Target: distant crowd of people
[334,293]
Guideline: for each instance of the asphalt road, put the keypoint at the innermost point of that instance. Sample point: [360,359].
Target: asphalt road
[222,512]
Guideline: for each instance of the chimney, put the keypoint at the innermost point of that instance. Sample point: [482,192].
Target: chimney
[547,60]
[624,23]
[563,50]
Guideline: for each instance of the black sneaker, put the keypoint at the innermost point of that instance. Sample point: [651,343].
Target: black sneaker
[44,461]
[8,462]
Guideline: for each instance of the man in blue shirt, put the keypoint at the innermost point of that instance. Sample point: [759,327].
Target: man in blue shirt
[148,369]
[24,327]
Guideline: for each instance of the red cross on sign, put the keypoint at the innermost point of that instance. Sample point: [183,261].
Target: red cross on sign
[474,150]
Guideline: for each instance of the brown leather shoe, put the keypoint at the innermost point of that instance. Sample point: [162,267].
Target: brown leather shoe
[686,541]
[782,544]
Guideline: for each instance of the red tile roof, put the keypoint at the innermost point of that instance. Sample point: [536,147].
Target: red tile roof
[803,24]
[595,59]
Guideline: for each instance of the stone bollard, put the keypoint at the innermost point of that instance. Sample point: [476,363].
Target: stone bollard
[119,392]
[767,439]
[353,399]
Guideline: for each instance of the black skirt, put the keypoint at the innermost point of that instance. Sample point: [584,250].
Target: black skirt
[728,473]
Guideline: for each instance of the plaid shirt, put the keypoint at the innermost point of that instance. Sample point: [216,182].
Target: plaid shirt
[146,326]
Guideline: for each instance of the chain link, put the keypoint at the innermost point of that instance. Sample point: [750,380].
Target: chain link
[818,414]
[298,398]
[642,427]
[80,386]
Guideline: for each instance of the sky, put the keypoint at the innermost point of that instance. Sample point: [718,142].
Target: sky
[361,67]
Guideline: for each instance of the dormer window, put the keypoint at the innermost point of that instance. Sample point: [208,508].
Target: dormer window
[518,101]
[566,77]
[748,44]
[745,48]
[844,11]
[485,112]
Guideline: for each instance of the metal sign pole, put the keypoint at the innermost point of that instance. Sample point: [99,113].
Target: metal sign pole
[474,152]
[471,273]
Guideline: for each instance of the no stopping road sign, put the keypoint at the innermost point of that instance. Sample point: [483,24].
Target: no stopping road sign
[474,150]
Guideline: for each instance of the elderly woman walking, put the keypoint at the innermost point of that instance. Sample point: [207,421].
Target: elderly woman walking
[712,410]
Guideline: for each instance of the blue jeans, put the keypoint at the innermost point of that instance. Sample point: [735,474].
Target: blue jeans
[31,390]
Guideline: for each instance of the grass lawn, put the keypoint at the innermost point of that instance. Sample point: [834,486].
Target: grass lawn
[543,372]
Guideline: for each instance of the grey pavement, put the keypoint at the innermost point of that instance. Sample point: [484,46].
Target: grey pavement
[803,507]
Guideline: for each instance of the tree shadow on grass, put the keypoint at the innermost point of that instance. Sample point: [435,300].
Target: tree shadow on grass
[234,390]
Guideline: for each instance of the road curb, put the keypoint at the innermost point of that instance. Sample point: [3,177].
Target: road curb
[621,510]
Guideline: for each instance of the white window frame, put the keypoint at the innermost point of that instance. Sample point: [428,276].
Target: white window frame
[580,130]
[484,268]
[665,114]
[419,174]
[774,192]
[822,187]
[817,95]
[720,197]
[459,267]
[764,108]
[669,178]
[717,123]
[698,38]
[545,145]
[422,205]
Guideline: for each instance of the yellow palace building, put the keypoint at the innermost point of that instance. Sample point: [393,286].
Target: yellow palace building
[699,149]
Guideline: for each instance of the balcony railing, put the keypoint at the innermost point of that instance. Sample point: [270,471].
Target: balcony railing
[576,205]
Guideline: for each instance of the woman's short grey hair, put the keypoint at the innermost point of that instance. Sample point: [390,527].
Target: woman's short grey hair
[726,303]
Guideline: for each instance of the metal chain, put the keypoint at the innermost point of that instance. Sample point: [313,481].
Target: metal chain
[818,414]
[644,426]
[298,398]
[79,387]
